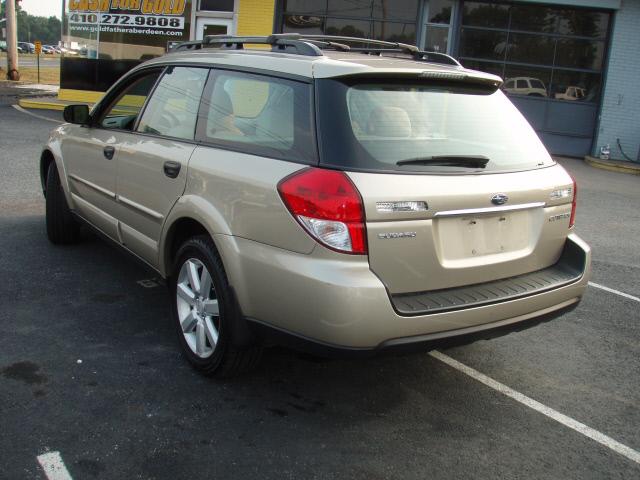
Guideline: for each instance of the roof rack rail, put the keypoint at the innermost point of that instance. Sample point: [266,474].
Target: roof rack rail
[384,47]
[237,43]
[312,45]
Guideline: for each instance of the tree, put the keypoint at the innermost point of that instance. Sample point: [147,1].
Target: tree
[32,28]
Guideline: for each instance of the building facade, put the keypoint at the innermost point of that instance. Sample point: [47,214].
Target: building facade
[568,65]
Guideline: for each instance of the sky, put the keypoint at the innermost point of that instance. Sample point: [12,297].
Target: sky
[42,8]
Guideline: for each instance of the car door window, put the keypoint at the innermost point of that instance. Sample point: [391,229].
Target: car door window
[172,110]
[258,114]
[125,108]
[521,84]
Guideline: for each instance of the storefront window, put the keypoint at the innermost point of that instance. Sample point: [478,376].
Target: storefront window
[395,9]
[394,32]
[543,51]
[349,8]
[483,44]
[379,19]
[348,27]
[304,24]
[309,7]
[439,16]
[578,53]
[437,39]
[102,43]
[481,14]
[440,11]
[526,48]
[217,5]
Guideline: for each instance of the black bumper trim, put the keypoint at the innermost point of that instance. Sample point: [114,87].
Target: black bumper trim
[569,269]
[271,336]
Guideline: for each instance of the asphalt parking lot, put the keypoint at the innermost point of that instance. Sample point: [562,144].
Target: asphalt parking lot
[89,368]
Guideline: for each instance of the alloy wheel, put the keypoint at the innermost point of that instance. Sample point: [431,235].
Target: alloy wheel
[198,309]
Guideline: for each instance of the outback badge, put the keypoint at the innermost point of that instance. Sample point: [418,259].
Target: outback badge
[499,199]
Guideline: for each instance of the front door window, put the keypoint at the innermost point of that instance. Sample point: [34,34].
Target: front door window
[125,108]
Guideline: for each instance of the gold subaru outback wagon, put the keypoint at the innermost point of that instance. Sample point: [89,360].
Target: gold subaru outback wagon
[334,194]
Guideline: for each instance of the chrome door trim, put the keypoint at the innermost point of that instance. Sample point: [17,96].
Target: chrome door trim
[98,188]
[489,210]
[141,208]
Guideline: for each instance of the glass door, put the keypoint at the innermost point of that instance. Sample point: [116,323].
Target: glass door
[213,26]
[438,31]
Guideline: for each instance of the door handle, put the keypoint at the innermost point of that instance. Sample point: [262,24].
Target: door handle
[171,169]
[108,152]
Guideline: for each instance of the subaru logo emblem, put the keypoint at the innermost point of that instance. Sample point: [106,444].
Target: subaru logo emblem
[499,199]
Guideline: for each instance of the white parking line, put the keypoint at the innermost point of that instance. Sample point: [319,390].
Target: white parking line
[41,117]
[589,432]
[53,466]
[617,292]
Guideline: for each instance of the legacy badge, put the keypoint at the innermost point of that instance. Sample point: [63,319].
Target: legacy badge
[386,236]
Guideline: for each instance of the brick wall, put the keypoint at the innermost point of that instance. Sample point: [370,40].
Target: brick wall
[620,117]
[255,17]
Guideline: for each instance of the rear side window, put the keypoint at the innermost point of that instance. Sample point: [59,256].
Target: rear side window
[413,127]
[172,109]
[537,83]
[258,115]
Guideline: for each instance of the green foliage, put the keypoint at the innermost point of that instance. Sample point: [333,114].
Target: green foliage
[31,28]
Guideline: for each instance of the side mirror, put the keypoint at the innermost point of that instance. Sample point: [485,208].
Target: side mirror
[78,114]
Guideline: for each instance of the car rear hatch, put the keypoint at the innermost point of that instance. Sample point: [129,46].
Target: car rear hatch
[456,186]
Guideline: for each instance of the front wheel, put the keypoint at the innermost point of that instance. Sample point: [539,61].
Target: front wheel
[203,310]
[62,228]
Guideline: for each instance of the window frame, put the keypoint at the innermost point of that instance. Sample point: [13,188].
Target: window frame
[153,91]
[203,139]
[424,25]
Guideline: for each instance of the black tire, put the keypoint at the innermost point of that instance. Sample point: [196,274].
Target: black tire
[62,228]
[228,359]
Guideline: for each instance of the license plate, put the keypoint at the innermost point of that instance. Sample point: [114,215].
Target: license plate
[481,235]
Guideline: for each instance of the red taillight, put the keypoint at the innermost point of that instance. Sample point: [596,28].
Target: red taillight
[328,205]
[572,220]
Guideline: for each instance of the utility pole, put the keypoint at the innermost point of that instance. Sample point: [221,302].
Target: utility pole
[12,41]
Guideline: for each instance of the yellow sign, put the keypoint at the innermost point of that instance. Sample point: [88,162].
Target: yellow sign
[146,7]
[38,45]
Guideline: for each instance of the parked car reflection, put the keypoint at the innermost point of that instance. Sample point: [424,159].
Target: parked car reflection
[530,86]
[570,92]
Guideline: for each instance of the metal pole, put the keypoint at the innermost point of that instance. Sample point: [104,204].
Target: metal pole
[12,41]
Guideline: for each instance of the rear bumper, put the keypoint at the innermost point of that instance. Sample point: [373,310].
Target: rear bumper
[338,304]
[420,343]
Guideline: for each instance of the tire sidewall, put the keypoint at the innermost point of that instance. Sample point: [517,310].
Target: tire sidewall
[196,248]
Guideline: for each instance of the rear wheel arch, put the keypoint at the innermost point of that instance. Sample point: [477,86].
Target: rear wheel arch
[181,230]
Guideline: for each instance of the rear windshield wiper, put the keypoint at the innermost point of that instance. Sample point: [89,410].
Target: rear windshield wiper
[471,161]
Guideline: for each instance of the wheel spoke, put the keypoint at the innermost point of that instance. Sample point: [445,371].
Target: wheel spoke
[194,278]
[212,332]
[211,308]
[201,344]
[189,322]
[205,283]
[185,293]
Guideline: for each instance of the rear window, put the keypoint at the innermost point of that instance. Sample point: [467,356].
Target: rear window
[373,126]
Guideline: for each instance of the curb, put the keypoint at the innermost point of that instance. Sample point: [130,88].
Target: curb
[613,166]
[40,104]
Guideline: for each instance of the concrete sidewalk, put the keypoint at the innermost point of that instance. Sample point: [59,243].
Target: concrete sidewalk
[12,92]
